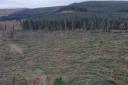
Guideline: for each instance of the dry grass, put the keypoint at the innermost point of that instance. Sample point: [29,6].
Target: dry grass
[78,57]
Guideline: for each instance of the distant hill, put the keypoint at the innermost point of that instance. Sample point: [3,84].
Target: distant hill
[72,8]
[104,6]
[30,12]
[87,6]
[35,11]
[6,12]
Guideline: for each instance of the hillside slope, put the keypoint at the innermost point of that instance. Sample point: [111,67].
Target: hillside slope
[30,12]
[104,6]
[6,12]
[88,6]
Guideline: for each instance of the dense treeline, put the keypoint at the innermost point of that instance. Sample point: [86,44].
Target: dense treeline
[72,21]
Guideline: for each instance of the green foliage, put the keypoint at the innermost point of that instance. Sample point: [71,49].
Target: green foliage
[13,81]
[106,82]
[59,81]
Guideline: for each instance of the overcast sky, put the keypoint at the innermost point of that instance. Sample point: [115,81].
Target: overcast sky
[34,3]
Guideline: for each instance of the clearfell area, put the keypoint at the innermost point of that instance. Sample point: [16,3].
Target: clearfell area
[79,44]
